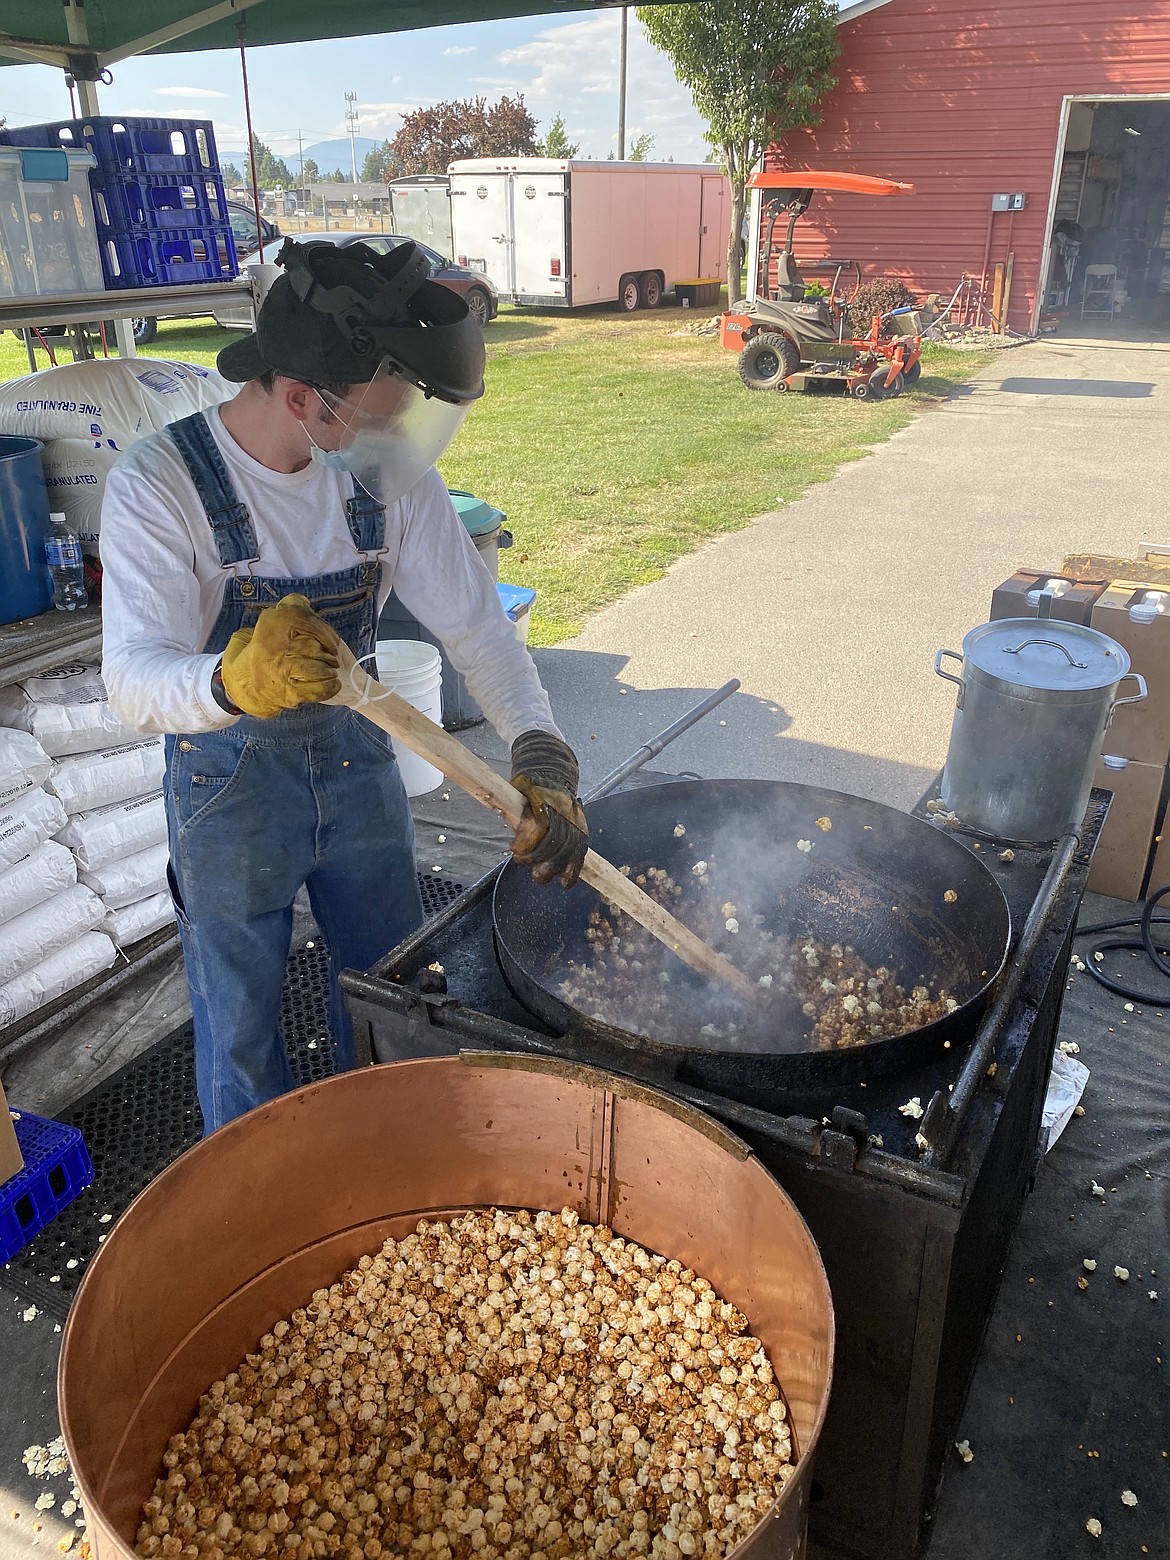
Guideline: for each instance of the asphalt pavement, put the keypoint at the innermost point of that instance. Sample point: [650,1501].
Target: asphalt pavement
[831,609]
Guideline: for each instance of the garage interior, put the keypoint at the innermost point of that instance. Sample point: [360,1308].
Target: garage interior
[1109,251]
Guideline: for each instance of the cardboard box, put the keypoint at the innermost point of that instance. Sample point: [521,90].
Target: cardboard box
[1072,600]
[1123,852]
[1138,618]
[11,1158]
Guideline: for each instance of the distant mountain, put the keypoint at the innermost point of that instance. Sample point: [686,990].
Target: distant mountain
[328,155]
[332,155]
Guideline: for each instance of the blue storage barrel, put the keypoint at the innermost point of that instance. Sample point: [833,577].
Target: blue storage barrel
[25,587]
[484,524]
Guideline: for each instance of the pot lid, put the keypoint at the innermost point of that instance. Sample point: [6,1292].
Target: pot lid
[1046,653]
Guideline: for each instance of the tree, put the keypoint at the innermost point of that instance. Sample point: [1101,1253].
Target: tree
[230,174]
[310,173]
[556,143]
[755,68]
[640,150]
[380,164]
[431,138]
[270,169]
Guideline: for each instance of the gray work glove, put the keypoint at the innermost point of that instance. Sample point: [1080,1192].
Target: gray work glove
[552,835]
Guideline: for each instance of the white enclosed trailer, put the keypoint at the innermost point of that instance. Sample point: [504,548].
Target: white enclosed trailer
[559,233]
[420,207]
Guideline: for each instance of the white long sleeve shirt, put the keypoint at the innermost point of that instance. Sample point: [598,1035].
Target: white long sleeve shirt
[163,582]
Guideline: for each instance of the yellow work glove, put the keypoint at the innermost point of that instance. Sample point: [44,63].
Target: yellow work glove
[552,836]
[289,658]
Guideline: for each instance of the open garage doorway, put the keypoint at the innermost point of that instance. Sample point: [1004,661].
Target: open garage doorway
[1107,259]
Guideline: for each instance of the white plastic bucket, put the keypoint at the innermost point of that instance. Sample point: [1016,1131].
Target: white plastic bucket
[414,671]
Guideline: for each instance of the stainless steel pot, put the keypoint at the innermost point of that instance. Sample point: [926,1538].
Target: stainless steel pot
[249,1222]
[1035,698]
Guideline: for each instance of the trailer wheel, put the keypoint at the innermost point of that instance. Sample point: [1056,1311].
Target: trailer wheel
[629,294]
[145,330]
[649,289]
[767,360]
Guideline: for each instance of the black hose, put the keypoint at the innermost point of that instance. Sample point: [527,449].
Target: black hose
[1146,943]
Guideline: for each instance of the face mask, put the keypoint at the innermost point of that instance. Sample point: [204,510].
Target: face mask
[355,457]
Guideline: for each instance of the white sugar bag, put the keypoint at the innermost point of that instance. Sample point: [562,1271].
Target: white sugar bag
[125,881]
[130,923]
[28,822]
[33,936]
[67,710]
[23,764]
[116,775]
[53,977]
[38,877]
[97,838]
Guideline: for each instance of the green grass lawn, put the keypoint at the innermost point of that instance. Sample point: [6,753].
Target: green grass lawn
[615,445]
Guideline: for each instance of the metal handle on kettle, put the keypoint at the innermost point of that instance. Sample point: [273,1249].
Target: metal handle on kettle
[950,676]
[1053,644]
[1133,698]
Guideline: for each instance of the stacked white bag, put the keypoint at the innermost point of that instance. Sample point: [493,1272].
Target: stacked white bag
[101,784]
[49,940]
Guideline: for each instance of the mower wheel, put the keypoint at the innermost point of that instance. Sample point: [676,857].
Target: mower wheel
[914,373]
[767,360]
[880,386]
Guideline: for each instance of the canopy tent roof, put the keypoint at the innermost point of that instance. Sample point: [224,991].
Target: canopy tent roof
[86,36]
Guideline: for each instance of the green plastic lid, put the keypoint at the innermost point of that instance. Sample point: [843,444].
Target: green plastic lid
[478,517]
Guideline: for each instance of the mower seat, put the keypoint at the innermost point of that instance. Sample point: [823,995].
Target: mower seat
[808,322]
[789,282]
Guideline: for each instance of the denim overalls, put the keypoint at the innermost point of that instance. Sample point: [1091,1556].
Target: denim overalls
[254,811]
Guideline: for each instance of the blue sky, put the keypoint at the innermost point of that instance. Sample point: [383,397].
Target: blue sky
[568,65]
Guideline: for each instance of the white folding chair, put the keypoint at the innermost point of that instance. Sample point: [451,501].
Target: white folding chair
[1099,292]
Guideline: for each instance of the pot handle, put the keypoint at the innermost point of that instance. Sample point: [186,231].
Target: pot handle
[1052,644]
[1134,698]
[950,676]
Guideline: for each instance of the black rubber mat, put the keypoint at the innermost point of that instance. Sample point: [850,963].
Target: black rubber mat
[146,1114]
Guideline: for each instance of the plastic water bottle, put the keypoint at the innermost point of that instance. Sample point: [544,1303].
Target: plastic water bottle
[66,566]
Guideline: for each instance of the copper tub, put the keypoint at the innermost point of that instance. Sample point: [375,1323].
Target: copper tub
[241,1230]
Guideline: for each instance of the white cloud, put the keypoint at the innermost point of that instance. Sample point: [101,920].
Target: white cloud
[572,70]
[455,50]
[188,92]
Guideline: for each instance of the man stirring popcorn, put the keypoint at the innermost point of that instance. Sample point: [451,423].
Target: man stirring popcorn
[240,546]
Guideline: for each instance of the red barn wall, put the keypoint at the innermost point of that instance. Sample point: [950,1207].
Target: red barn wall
[964,101]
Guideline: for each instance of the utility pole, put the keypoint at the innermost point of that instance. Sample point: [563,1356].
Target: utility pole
[351,116]
[621,146]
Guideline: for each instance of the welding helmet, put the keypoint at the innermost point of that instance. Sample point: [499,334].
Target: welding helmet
[356,317]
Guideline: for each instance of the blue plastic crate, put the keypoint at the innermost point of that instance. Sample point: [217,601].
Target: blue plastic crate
[141,258]
[129,145]
[57,1168]
[158,202]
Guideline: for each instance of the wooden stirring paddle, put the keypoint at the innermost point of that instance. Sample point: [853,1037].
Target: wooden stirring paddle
[380,706]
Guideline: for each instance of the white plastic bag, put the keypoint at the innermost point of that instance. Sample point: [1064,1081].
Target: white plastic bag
[66,710]
[23,764]
[97,838]
[27,822]
[1066,1084]
[92,953]
[115,775]
[38,877]
[88,413]
[131,878]
[135,921]
[33,936]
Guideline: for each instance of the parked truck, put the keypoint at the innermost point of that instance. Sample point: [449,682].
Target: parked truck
[420,207]
[557,234]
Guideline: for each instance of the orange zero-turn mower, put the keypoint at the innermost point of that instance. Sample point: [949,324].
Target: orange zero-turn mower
[789,341]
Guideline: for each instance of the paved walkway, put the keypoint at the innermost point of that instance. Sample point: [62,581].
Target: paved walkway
[830,611]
